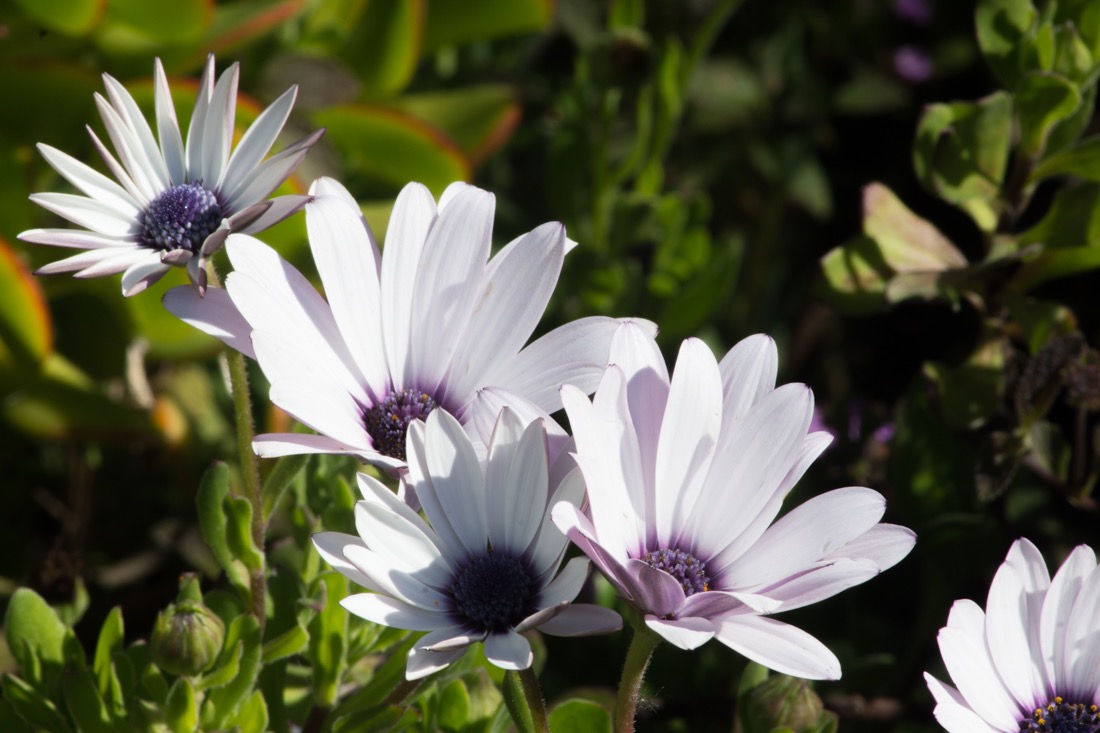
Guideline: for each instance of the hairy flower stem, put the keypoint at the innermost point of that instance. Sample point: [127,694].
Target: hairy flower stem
[630,685]
[250,467]
[523,696]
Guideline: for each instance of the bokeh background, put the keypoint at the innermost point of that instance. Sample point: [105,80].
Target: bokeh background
[706,154]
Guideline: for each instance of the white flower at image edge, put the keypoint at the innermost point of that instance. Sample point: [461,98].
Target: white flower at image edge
[484,565]
[430,323]
[1030,661]
[170,204]
[685,477]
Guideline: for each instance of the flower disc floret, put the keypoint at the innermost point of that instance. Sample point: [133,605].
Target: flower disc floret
[690,572]
[493,591]
[1062,717]
[181,217]
[388,421]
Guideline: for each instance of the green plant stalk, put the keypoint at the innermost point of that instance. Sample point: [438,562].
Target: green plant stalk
[523,697]
[250,468]
[630,685]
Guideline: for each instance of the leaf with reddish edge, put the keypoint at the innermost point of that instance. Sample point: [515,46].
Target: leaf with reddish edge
[479,119]
[26,330]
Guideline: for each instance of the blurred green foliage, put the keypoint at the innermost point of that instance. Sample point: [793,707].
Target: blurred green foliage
[708,156]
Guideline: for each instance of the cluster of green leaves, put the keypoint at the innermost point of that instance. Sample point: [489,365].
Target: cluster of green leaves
[988,158]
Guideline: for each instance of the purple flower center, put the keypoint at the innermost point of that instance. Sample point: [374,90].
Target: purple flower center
[182,217]
[388,421]
[683,566]
[493,591]
[1062,717]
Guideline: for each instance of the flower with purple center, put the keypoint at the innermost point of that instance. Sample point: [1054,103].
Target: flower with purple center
[483,567]
[1029,662]
[685,477]
[429,324]
[170,203]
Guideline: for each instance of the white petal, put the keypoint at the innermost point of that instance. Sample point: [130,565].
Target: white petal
[966,657]
[88,213]
[448,282]
[823,582]
[347,260]
[566,586]
[213,314]
[119,261]
[550,543]
[1083,637]
[805,535]
[412,217]
[748,373]
[82,260]
[257,140]
[686,633]
[196,130]
[217,135]
[421,481]
[275,445]
[138,167]
[1057,606]
[141,275]
[74,238]
[480,414]
[136,124]
[582,619]
[457,486]
[689,435]
[508,650]
[394,581]
[422,662]
[408,544]
[270,174]
[1008,632]
[884,544]
[91,182]
[952,712]
[387,611]
[330,546]
[168,128]
[516,483]
[512,299]
[779,646]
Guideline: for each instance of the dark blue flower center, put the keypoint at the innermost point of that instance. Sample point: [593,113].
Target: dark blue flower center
[388,421]
[493,592]
[1062,717]
[681,565]
[182,217]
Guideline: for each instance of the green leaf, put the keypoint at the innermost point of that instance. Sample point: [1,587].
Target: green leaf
[110,642]
[212,498]
[1042,101]
[579,716]
[376,720]
[1082,161]
[384,48]
[252,717]
[71,17]
[287,644]
[1053,264]
[1003,27]
[908,242]
[29,705]
[854,276]
[33,630]
[286,469]
[478,119]
[136,26]
[328,634]
[181,712]
[371,139]
[453,22]
[239,532]
[1084,17]
[226,699]
[10,722]
[453,709]
[961,152]
[970,392]
[85,705]
[26,332]
[1072,221]
[152,679]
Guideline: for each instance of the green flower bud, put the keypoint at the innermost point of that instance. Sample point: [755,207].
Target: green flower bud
[783,703]
[187,636]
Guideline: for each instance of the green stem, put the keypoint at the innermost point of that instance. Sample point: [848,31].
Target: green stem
[250,466]
[630,686]
[523,696]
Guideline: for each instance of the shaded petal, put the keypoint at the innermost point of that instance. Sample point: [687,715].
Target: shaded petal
[213,314]
[420,481]
[408,544]
[480,414]
[516,484]
[141,275]
[422,662]
[217,137]
[508,650]
[1082,642]
[662,594]
[457,488]
[394,581]
[582,619]
[388,611]
[823,582]
[779,646]
[196,129]
[686,633]
[270,174]
[549,545]
[272,211]
[566,586]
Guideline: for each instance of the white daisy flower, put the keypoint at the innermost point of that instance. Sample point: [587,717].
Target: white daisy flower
[484,566]
[685,478]
[172,204]
[431,323]
[1031,661]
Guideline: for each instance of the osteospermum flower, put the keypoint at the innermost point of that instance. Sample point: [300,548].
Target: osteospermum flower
[484,567]
[172,204]
[430,324]
[685,477]
[1031,661]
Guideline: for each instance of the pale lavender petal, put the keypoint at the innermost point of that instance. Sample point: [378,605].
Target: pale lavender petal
[217,137]
[213,314]
[407,544]
[1058,605]
[1008,620]
[516,485]
[662,594]
[393,580]
[88,213]
[270,174]
[73,238]
[582,619]
[686,633]
[508,650]
[91,182]
[257,140]
[141,275]
[274,211]
[480,414]
[566,586]
[84,259]
[823,582]
[421,481]
[967,659]
[276,445]
[196,130]
[140,169]
[748,373]
[550,543]
[779,646]
[140,131]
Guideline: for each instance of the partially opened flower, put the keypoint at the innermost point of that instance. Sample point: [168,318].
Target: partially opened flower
[1031,661]
[429,324]
[685,477]
[484,566]
[172,204]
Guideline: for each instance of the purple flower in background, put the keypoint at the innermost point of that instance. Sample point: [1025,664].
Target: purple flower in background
[685,477]
[431,323]
[172,204]
[918,12]
[1029,663]
[484,566]
[912,64]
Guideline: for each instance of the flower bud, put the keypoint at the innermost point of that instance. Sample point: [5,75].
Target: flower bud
[187,636]
[782,703]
